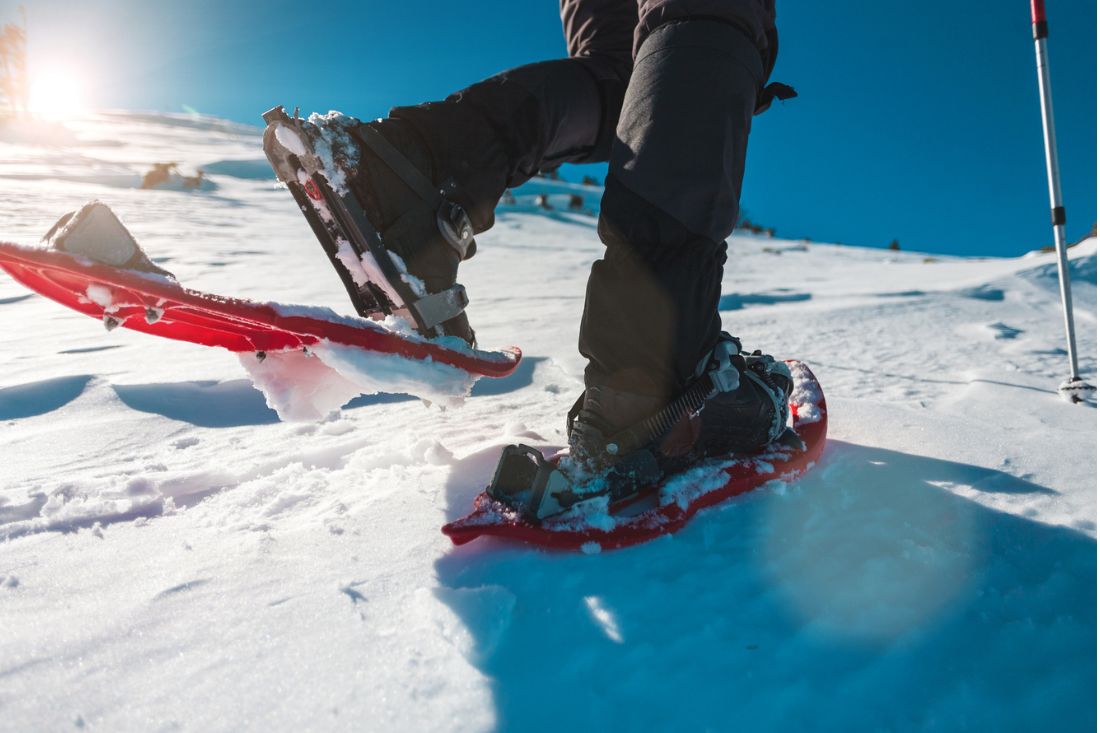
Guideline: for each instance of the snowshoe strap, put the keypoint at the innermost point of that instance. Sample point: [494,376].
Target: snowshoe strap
[721,372]
[438,307]
[452,220]
[770,93]
[400,165]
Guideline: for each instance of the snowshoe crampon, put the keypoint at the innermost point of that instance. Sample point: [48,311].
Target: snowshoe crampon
[526,486]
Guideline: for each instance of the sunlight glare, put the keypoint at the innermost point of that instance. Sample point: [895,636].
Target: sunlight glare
[55,95]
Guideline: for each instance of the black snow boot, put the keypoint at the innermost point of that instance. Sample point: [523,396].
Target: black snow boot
[623,443]
[393,230]
[737,403]
[380,161]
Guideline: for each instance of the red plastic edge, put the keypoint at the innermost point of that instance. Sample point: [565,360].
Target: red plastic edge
[743,477]
[211,320]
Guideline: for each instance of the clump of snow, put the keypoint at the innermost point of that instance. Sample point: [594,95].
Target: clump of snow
[401,325]
[101,295]
[351,262]
[431,452]
[764,467]
[591,548]
[290,140]
[688,486]
[334,141]
[365,269]
[416,284]
[309,384]
[805,396]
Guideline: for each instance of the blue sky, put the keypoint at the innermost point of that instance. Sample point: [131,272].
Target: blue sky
[915,121]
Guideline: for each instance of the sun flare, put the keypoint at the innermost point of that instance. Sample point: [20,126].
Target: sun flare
[55,95]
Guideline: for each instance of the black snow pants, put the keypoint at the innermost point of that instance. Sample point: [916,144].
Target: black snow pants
[665,91]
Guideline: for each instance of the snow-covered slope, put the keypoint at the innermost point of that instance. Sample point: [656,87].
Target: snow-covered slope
[174,557]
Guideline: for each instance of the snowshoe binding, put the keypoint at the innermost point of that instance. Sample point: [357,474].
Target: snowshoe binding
[623,444]
[393,233]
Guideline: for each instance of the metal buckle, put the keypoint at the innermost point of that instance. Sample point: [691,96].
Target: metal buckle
[454,224]
[438,307]
[725,376]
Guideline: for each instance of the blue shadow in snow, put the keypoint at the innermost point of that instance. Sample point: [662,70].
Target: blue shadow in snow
[862,597]
[383,398]
[902,294]
[257,169]
[523,376]
[982,292]
[737,301]
[236,403]
[38,398]
[206,404]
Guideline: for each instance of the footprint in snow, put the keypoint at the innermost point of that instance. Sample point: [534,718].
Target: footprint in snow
[181,588]
[1002,331]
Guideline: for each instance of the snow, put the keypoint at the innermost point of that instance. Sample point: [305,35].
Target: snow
[173,555]
[302,385]
[289,139]
[335,136]
[100,295]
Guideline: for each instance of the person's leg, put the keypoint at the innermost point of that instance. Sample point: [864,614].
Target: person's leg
[483,139]
[501,131]
[672,192]
[651,324]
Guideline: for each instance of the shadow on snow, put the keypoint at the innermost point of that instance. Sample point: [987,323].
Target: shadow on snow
[38,398]
[212,404]
[865,581]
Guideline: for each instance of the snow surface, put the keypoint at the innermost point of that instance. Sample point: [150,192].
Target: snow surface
[172,556]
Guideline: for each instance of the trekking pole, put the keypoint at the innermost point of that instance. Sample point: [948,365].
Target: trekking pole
[1073,389]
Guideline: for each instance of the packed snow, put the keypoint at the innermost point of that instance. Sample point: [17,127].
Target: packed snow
[174,556]
[304,385]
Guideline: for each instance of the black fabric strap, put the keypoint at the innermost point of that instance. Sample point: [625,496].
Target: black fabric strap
[770,93]
[400,165]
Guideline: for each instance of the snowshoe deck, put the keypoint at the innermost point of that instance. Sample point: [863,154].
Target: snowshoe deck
[374,281]
[157,304]
[668,506]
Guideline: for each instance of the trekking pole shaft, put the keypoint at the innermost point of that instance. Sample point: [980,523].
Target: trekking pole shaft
[1054,180]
